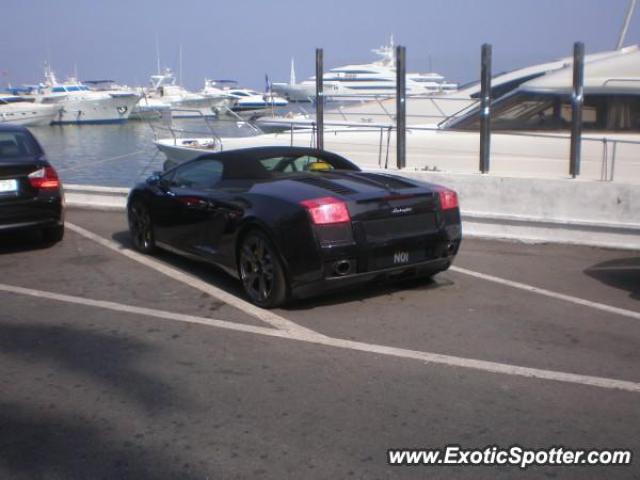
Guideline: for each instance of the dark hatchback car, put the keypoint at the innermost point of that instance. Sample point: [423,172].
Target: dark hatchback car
[31,195]
[293,222]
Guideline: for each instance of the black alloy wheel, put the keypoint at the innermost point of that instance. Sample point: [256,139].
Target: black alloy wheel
[141,228]
[261,271]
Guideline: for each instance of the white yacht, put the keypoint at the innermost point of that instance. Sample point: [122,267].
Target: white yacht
[77,103]
[364,81]
[163,94]
[530,130]
[21,110]
[432,109]
[244,101]
[149,108]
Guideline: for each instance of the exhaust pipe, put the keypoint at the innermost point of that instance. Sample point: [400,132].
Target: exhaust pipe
[342,268]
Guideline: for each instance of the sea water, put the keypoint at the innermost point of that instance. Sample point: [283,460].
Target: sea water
[118,155]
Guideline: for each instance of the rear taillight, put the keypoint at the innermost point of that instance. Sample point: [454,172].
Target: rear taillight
[327,210]
[45,178]
[448,199]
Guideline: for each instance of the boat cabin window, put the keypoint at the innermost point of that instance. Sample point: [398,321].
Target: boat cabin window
[525,111]
[502,89]
[58,90]
[358,79]
[376,87]
[353,72]
[7,100]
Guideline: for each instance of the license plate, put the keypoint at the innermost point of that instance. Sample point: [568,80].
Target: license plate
[8,186]
[401,257]
[398,258]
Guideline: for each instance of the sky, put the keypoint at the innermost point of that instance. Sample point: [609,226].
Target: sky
[246,39]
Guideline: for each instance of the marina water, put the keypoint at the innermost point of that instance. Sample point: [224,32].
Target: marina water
[117,155]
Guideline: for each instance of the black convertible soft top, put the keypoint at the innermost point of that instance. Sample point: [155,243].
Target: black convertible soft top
[245,163]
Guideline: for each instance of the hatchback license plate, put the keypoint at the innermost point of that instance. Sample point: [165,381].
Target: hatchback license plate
[8,186]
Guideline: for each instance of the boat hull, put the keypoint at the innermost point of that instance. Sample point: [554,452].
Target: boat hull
[29,117]
[110,109]
[179,151]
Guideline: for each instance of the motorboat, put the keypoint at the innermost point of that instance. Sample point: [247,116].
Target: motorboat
[530,129]
[359,82]
[77,103]
[21,110]
[244,101]
[164,94]
[180,150]
[431,109]
[150,108]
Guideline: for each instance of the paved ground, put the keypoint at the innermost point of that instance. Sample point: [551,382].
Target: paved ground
[111,368]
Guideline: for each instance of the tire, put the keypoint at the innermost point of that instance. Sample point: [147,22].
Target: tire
[141,228]
[261,271]
[53,234]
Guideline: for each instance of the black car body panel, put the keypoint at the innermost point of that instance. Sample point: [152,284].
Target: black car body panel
[397,225]
[25,206]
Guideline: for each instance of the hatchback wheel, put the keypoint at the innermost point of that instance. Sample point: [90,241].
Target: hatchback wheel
[141,228]
[261,271]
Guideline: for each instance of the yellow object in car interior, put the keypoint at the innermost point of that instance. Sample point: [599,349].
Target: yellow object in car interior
[319,167]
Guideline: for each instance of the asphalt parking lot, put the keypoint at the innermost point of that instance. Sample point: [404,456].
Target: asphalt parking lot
[116,365]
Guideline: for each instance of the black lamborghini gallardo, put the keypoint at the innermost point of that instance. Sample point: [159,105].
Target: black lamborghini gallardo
[291,222]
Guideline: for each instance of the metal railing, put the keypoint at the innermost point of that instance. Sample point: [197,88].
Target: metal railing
[177,133]
[385,130]
[370,113]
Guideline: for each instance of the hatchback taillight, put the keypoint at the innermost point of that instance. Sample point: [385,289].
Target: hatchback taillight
[448,199]
[45,178]
[327,210]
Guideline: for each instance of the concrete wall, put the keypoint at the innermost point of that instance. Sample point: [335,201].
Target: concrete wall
[94,197]
[581,212]
[551,210]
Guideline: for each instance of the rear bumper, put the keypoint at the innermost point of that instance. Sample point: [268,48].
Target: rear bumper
[31,225]
[415,270]
[43,211]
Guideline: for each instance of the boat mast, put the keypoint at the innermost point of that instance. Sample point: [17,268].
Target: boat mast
[49,76]
[292,75]
[180,64]
[625,26]
[158,54]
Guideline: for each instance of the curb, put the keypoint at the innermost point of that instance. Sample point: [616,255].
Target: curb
[490,225]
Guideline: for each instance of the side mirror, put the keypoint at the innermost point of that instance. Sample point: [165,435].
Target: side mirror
[154,179]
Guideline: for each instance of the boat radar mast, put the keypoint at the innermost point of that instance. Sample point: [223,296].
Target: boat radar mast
[292,75]
[388,54]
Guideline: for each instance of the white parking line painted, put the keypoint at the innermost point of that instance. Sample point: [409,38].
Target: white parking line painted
[317,339]
[548,293]
[287,325]
[261,314]
[150,312]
